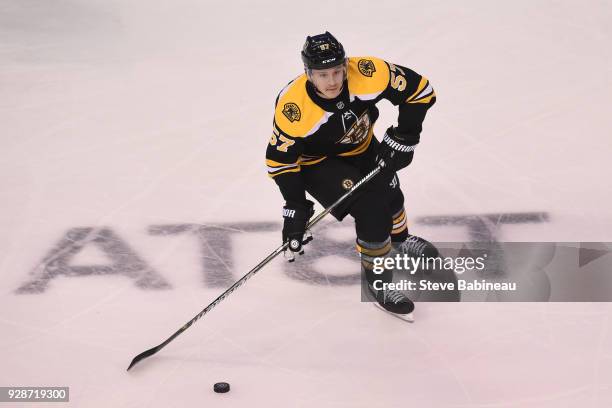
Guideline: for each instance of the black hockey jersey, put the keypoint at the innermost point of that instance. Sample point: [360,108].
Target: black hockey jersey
[308,128]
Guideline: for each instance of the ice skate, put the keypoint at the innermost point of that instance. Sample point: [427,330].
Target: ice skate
[393,302]
[416,246]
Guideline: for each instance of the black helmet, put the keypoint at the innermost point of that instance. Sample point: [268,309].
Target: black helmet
[322,51]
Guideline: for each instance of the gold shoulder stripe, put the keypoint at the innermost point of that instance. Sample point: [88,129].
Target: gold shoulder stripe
[367,76]
[272,163]
[296,114]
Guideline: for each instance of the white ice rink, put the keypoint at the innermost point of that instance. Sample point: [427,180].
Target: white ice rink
[139,127]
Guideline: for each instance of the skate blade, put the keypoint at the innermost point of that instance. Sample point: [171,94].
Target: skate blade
[406,317]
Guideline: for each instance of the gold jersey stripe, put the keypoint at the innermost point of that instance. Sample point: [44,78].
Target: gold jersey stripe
[311,162]
[422,85]
[274,170]
[425,100]
[293,170]
[273,163]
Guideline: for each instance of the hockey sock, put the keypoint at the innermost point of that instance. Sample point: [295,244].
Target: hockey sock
[369,252]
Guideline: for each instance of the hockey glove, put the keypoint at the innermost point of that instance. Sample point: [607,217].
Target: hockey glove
[296,217]
[395,151]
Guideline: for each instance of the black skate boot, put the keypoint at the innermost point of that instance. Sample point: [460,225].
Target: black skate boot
[393,301]
[416,246]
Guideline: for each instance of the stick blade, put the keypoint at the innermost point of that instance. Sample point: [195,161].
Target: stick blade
[143,355]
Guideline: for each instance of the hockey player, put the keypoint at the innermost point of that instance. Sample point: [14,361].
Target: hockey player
[322,143]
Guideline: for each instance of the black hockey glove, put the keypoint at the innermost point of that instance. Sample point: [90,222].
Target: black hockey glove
[296,217]
[395,151]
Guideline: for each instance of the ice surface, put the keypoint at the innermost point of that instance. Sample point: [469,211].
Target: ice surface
[141,128]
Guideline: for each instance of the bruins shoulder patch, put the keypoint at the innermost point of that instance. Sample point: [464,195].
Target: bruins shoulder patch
[366,67]
[292,112]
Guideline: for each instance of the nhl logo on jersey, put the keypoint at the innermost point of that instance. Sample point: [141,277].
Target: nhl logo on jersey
[347,184]
[292,112]
[366,67]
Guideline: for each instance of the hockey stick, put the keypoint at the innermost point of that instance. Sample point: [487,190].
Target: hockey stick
[252,272]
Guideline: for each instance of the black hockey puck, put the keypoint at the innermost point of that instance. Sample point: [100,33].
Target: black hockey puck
[221,387]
